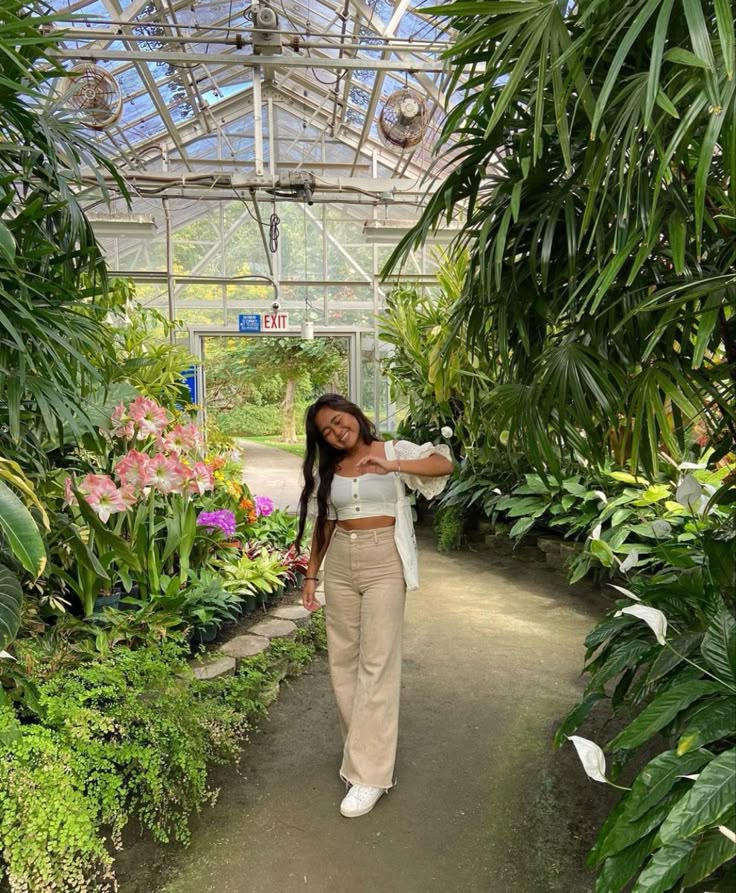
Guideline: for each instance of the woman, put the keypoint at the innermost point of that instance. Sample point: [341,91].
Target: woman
[359,494]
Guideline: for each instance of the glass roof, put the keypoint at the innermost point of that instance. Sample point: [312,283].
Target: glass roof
[185,72]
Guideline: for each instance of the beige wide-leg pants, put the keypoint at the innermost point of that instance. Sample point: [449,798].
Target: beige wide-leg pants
[364,601]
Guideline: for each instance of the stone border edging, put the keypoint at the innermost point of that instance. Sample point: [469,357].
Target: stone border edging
[280,622]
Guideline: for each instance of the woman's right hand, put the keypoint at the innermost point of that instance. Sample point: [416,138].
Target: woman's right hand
[309,595]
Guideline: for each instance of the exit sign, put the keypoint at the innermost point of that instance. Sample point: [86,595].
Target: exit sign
[263,322]
[275,322]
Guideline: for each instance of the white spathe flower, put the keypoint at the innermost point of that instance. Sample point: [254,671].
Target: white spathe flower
[689,492]
[5,655]
[627,592]
[601,496]
[661,528]
[592,758]
[727,832]
[628,563]
[596,532]
[654,619]
[691,777]
[446,431]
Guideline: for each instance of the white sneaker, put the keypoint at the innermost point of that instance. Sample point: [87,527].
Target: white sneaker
[360,799]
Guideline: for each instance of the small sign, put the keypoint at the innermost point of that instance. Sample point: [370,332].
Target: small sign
[249,322]
[275,322]
[190,378]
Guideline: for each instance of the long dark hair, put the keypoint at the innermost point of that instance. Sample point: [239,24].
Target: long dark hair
[319,453]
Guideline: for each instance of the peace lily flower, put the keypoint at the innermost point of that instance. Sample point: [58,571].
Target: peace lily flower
[446,431]
[627,592]
[105,499]
[593,760]
[4,655]
[689,492]
[629,562]
[653,618]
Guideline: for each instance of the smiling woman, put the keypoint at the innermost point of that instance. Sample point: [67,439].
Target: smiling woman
[365,534]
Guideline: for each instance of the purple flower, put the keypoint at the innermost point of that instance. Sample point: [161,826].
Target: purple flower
[264,506]
[224,519]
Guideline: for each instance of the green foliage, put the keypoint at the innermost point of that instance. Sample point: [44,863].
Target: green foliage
[449,526]
[664,830]
[129,734]
[257,421]
[141,353]
[277,530]
[51,270]
[600,252]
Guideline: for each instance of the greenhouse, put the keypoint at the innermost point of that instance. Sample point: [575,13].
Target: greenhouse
[368,446]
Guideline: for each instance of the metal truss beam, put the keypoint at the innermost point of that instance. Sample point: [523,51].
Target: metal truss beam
[252,61]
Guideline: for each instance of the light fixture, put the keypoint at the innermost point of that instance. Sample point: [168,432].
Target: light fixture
[385,233]
[307,331]
[132,225]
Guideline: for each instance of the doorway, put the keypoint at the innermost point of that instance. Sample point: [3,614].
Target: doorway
[261,383]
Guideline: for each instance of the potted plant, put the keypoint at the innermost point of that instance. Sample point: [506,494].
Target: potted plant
[207,605]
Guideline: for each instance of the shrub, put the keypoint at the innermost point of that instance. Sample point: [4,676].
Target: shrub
[448,528]
[256,421]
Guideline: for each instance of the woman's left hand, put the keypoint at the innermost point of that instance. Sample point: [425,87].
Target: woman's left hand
[375,465]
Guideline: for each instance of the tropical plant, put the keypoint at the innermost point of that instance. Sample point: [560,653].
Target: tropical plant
[252,574]
[143,355]
[51,269]
[449,527]
[207,601]
[672,829]
[21,535]
[592,156]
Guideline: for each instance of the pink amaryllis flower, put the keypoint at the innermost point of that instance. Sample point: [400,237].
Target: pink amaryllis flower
[129,495]
[200,478]
[183,439]
[133,469]
[69,497]
[105,498]
[150,418]
[91,481]
[122,423]
[167,474]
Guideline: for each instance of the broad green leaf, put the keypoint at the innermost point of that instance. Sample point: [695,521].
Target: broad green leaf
[662,710]
[621,657]
[710,797]
[623,832]
[575,717]
[712,850]
[658,778]
[21,532]
[11,599]
[618,870]
[719,646]
[664,868]
[714,723]
[656,493]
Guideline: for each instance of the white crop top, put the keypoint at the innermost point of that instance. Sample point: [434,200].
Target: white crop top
[366,496]
[376,493]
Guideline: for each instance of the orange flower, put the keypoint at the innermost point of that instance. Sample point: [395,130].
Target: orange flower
[246,505]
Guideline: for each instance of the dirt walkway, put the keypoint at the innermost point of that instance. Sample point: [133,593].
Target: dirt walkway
[493,651]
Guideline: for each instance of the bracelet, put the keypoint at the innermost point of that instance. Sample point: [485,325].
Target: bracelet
[312,578]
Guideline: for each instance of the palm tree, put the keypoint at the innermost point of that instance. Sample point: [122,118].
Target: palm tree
[52,274]
[593,150]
